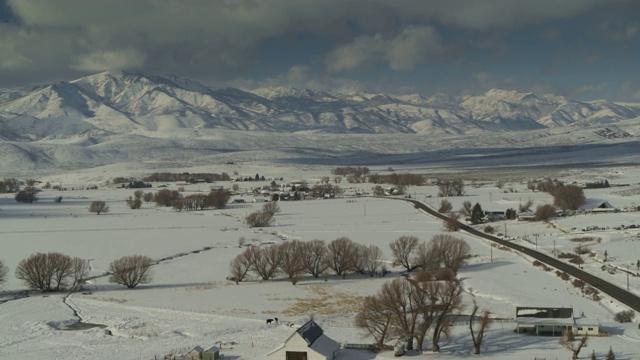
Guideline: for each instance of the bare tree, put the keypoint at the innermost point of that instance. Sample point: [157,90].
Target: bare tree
[235,187]
[4,270]
[360,260]
[568,197]
[466,209]
[35,272]
[62,266]
[341,255]
[378,191]
[424,259]
[241,241]
[315,257]
[98,207]
[545,212]
[266,261]
[259,218]
[525,206]
[292,260]
[452,222]
[271,208]
[397,296]
[445,206]
[403,249]
[449,251]
[46,272]
[79,272]
[372,260]
[138,194]
[218,199]
[448,303]
[240,266]
[573,344]
[484,322]
[131,270]
[376,318]
[450,188]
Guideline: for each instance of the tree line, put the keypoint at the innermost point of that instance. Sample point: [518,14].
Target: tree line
[54,271]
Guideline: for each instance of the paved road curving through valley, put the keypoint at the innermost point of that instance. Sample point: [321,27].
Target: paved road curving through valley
[616,292]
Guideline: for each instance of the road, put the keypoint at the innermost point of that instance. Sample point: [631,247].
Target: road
[616,292]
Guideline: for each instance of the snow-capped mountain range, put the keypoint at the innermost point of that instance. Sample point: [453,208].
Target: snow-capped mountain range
[120,102]
[119,117]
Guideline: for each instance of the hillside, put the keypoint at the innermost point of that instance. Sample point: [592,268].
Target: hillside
[115,117]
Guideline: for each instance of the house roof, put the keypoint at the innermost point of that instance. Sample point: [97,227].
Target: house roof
[213,349]
[605,205]
[544,312]
[197,349]
[313,335]
[310,332]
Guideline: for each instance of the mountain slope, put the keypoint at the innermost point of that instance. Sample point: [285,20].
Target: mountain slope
[119,102]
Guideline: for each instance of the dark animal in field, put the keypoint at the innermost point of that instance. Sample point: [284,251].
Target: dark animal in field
[269,321]
[276,319]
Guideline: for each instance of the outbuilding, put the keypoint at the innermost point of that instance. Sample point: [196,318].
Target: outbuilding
[307,343]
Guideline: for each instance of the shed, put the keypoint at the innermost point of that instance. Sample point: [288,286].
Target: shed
[194,354]
[212,353]
[307,343]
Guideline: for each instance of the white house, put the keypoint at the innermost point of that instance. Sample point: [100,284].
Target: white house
[307,343]
[553,321]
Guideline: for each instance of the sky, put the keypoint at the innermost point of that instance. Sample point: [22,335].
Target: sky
[584,49]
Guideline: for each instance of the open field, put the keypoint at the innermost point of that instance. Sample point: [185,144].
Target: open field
[190,302]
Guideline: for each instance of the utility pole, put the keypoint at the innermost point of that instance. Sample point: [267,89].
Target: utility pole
[554,247]
[505,230]
[627,277]
[491,252]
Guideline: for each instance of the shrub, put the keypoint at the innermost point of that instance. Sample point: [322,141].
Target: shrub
[445,206]
[27,195]
[489,229]
[134,203]
[625,316]
[98,207]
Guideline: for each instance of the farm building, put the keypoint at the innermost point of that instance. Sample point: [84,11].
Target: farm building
[604,207]
[307,343]
[199,353]
[553,321]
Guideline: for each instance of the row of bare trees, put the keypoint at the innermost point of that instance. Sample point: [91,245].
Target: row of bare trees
[442,251]
[55,271]
[407,310]
[295,259]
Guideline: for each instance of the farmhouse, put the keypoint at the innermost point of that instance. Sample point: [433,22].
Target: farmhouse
[553,322]
[307,343]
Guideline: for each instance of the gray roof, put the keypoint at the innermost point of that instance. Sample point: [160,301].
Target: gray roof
[310,332]
[544,312]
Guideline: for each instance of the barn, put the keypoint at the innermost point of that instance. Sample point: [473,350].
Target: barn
[307,343]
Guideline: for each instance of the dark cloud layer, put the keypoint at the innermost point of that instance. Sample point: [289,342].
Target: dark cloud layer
[223,41]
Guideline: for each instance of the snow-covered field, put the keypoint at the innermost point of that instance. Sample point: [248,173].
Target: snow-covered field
[190,302]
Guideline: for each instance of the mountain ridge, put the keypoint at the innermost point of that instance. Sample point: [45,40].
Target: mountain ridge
[122,102]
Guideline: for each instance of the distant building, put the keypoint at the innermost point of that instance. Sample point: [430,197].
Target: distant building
[307,343]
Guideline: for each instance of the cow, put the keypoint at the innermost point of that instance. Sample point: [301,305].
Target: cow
[269,321]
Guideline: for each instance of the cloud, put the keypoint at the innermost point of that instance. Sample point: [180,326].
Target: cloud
[225,39]
[404,51]
[109,60]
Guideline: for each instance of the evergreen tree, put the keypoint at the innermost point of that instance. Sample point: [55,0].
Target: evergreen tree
[477,215]
[610,355]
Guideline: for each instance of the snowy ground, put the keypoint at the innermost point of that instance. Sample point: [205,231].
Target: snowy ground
[190,302]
